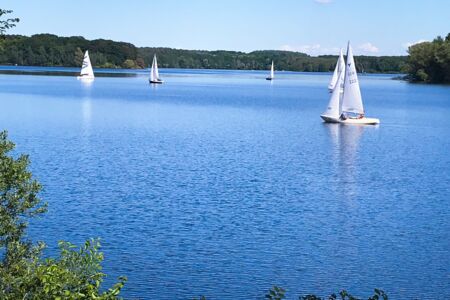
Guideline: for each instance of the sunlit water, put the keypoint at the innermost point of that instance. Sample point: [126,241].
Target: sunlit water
[220,183]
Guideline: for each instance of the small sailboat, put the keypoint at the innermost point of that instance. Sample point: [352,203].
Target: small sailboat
[340,66]
[272,73]
[346,107]
[87,73]
[154,73]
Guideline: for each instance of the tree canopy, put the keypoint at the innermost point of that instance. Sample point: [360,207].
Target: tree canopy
[430,61]
[7,23]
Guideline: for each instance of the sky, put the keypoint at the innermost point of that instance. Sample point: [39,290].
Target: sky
[315,27]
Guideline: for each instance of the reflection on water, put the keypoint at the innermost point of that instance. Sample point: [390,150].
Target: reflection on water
[86,106]
[86,84]
[345,140]
[154,87]
[86,109]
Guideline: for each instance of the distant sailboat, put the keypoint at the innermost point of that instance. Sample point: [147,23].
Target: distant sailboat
[154,73]
[87,73]
[340,66]
[272,73]
[347,107]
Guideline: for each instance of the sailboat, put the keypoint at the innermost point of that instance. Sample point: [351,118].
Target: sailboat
[154,74]
[346,107]
[87,73]
[340,66]
[272,74]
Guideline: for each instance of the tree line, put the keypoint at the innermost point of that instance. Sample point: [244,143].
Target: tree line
[52,50]
[430,61]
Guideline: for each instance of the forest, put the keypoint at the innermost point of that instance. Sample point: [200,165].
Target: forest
[52,50]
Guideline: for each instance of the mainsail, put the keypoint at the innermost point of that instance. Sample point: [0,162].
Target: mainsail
[340,66]
[272,73]
[351,98]
[86,69]
[154,74]
[333,110]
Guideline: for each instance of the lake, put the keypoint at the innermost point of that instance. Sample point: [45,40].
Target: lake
[220,183]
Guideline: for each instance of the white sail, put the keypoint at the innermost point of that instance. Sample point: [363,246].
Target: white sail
[154,73]
[333,109]
[340,66]
[86,69]
[351,98]
[272,73]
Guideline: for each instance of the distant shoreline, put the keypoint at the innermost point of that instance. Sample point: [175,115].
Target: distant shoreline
[122,72]
[51,50]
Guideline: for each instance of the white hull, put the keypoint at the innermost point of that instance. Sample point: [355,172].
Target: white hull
[362,121]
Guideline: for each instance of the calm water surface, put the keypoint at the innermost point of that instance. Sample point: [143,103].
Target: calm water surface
[220,183]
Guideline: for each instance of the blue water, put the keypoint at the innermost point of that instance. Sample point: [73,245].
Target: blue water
[220,183]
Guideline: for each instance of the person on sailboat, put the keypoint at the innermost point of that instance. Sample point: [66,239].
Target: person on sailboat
[345,116]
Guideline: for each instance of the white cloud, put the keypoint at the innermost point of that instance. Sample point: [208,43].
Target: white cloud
[409,44]
[313,50]
[323,1]
[368,47]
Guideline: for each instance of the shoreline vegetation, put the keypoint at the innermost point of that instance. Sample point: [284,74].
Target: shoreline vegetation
[429,62]
[51,50]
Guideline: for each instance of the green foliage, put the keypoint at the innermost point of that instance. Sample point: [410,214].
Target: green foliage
[276,293]
[75,275]
[7,23]
[430,61]
[78,57]
[24,274]
[51,50]
[18,202]
[129,64]
[344,295]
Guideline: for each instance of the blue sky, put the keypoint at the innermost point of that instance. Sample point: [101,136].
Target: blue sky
[375,27]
